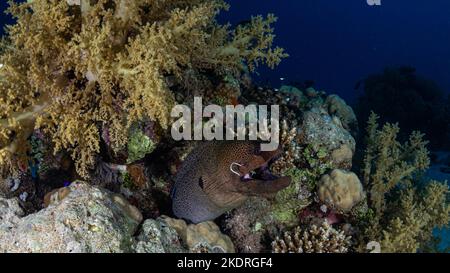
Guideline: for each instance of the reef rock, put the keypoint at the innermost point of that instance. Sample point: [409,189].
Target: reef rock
[81,218]
[338,107]
[295,96]
[10,213]
[340,189]
[321,131]
[156,236]
[202,237]
[311,92]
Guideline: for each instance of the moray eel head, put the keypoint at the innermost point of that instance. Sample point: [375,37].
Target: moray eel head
[218,176]
[260,171]
[250,169]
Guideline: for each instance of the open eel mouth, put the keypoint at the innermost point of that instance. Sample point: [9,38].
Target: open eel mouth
[263,172]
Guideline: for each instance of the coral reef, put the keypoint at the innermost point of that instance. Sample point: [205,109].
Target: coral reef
[156,237]
[340,190]
[291,149]
[306,159]
[86,89]
[316,136]
[291,200]
[313,239]
[203,237]
[76,69]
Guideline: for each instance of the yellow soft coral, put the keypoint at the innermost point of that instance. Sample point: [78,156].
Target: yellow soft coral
[387,162]
[106,64]
[403,216]
[412,226]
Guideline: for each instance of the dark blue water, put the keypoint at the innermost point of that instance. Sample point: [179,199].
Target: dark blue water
[336,43]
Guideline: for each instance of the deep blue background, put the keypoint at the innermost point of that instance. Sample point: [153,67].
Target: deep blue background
[338,42]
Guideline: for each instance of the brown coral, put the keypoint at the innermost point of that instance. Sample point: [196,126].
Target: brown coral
[74,67]
[314,239]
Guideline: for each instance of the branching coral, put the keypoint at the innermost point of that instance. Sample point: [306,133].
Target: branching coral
[72,68]
[291,151]
[411,228]
[313,239]
[401,216]
[387,162]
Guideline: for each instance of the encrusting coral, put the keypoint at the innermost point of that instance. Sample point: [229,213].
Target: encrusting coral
[402,213]
[313,239]
[74,68]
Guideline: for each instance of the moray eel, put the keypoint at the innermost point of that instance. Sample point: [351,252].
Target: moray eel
[218,176]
